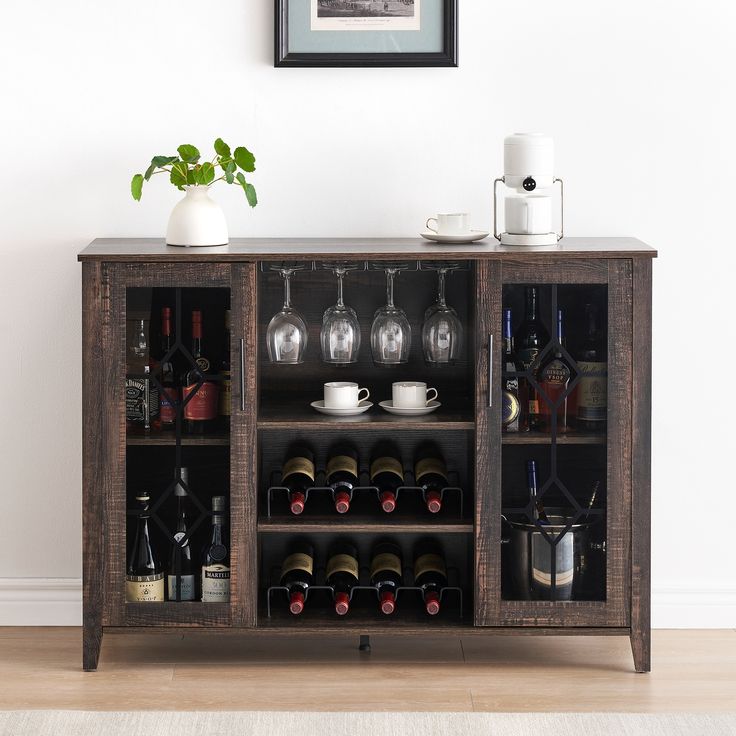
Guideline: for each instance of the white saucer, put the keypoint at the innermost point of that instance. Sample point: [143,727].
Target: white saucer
[351,412]
[470,237]
[402,412]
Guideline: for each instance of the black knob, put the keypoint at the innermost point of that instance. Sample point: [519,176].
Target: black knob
[529,184]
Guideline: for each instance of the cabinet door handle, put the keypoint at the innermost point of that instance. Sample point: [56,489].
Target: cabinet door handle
[242,374]
[490,371]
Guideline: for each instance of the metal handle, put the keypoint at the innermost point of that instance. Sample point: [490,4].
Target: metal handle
[490,371]
[495,206]
[562,209]
[242,374]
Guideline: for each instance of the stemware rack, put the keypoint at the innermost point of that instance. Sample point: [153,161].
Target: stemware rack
[352,265]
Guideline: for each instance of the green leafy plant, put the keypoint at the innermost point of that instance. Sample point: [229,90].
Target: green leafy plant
[186,169]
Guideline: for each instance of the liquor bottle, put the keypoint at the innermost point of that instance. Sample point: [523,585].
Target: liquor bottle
[342,573]
[226,383]
[297,573]
[553,378]
[142,405]
[170,394]
[538,511]
[430,474]
[298,475]
[592,388]
[387,573]
[181,548]
[200,412]
[144,579]
[216,557]
[511,407]
[530,339]
[342,475]
[430,573]
[387,474]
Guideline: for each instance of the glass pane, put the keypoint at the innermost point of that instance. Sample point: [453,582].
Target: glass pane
[177,403]
[554,422]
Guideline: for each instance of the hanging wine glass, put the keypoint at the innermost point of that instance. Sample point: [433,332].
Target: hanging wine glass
[391,331]
[340,335]
[442,332]
[286,336]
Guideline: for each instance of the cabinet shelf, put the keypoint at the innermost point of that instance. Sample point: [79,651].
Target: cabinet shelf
[530,438]
[361,524]
[168,439]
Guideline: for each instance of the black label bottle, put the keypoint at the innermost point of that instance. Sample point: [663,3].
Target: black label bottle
[298,475]
[386,573]
[387,474]
[297,573]
[180,556]
[144,579]
[592,388]
[430,573]
[342,475]
[142,401]
[216,557]
[430,474]
[553,378]
[200,392]
[511,406]
[342,574]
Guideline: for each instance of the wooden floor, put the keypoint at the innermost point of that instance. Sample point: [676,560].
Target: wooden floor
[692,671]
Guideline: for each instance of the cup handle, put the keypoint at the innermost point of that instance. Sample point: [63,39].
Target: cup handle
[436,394]
[429,227]
[367,394]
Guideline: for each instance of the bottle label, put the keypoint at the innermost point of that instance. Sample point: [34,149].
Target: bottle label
[298,465]
[387,465]
[527,357]
[226,392]
[342,563]
[141,400]
[593,391]
[144,588]
[533,407]
[297,561]
[511,407]
[186,591]
[429,563]
[203,405]
[556,373]
[430,465]
[168,405]
[215,584]
[203,364]
[342,463]
[387,561]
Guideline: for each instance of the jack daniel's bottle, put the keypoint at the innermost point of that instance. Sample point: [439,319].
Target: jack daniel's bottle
[144,579]
[142,407]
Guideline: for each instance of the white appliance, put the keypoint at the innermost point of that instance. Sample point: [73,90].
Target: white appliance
[529,186]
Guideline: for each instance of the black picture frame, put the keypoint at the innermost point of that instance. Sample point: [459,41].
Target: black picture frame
[448,57]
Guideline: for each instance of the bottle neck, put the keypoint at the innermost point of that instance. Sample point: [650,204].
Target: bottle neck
[196,347]
[531,305]
[508,340]
[560,328]
[217,529]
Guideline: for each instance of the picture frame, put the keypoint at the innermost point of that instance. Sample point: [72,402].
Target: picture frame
[446,55]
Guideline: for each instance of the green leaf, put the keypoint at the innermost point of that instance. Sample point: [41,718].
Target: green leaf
[136,187]
[230,172]
[222,148]
[179,172]
[149,172]
[245,159]
[249,189]
[192,177]
[161,161]
[188,153]
[207,173]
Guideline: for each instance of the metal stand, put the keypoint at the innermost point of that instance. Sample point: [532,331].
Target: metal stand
[365,643]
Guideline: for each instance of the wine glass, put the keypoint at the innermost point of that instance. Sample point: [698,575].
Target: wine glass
[391,331]
[340,335]
[442,332]
[286,336]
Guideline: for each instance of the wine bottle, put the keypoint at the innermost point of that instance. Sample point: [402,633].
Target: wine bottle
[144,579]
[538,511]
[226,389]
[216,557]
[298,475]
[592,389]
[170,394]
[200,411]
[342,574]
[430,573]
[553,377]
[511,407]
[297,573]
[530,339]
[386,573]
[342,475]
[430,474]
[142,401]
[387,474]
[181,588]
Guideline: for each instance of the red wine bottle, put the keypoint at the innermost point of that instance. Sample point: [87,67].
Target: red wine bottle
[342,475]
[297,574]
[430,573]
[342,574]
[386,573]
[200,411]
[387,474]
[430,474]
[298,475]
[170,394]
[226,387]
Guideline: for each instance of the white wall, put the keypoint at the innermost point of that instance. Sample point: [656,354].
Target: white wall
[638,95]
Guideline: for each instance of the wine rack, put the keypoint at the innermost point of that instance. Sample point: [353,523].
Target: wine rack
[489,526]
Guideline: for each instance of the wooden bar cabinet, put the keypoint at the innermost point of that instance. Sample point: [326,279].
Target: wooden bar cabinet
[510,569]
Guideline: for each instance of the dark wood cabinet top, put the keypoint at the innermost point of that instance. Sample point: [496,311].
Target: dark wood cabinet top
[249,249]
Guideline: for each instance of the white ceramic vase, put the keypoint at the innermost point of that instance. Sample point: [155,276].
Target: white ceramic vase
[197,220]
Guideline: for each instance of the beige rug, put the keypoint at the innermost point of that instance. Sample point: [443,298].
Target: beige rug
[275,723]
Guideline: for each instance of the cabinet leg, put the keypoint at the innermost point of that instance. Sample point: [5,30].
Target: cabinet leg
[641,649]
[365,643]
[91,645]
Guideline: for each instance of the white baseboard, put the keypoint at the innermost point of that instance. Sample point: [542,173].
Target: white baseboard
[58,602]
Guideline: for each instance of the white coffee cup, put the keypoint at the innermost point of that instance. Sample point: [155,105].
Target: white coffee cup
[457,223]
[344,395]
[528,215]
[412,394]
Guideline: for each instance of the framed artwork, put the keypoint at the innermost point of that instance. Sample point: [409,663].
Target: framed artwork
[342,33]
